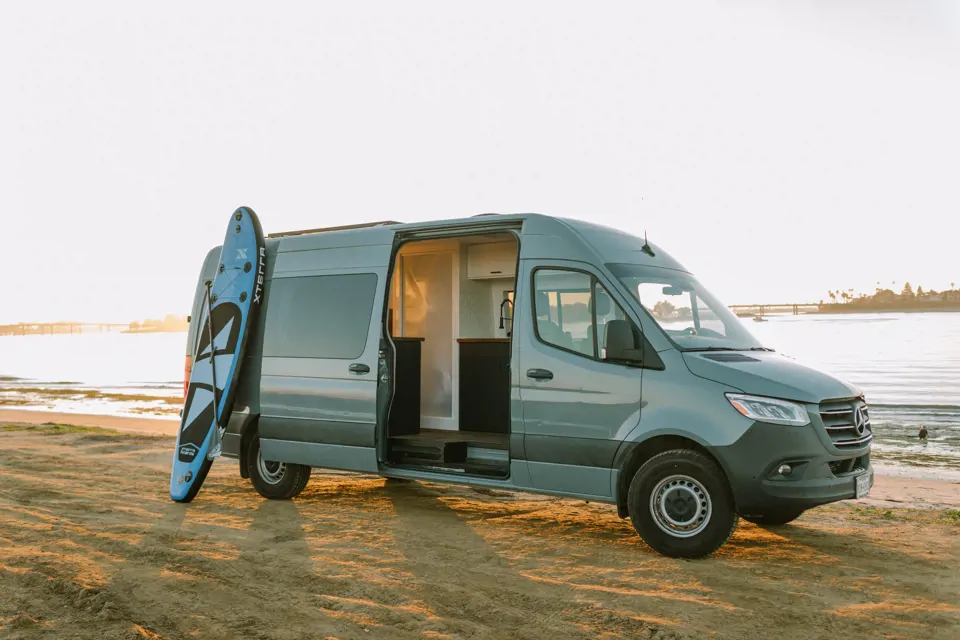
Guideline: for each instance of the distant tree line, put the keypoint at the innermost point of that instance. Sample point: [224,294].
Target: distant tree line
[886,297]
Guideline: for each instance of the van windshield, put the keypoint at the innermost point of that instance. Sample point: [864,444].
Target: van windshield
[684,309]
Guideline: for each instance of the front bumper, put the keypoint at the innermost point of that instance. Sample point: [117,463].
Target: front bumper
[818,476]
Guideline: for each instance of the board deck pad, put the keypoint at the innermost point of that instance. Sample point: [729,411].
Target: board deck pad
[233,301]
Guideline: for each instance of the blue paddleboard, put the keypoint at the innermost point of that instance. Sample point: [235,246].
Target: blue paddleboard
[232,299]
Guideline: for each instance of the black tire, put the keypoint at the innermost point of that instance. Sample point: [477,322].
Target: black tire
[276,481]
[695,513]
[774,517]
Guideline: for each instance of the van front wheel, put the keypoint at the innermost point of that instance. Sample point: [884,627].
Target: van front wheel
[681,505]
[275,480]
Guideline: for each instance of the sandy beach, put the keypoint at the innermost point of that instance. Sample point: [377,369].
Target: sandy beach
[92,547]
[144,426]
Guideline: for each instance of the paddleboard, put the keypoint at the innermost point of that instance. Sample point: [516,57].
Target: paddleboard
[229,312]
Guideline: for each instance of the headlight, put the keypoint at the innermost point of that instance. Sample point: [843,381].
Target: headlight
[770,410]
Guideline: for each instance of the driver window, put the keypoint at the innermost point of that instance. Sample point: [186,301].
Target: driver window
[563,303]
[566,304]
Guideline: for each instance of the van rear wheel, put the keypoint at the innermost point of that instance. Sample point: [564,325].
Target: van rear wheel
[681,504]
[275,480]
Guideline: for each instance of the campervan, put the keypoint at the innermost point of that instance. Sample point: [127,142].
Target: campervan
[538,354]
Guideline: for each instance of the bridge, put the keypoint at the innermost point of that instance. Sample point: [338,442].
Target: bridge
[51,328]
[795,308]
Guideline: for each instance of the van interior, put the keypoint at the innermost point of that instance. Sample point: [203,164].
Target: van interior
[450,317]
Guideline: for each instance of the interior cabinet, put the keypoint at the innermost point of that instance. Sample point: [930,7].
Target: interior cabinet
[486,261]
[485,385]
[405,410]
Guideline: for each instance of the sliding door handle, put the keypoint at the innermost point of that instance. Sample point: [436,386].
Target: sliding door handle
[540,374]
[357,367]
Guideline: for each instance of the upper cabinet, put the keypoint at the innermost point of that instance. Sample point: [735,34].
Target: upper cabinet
[487,261]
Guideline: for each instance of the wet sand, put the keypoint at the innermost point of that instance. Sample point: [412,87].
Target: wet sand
[92,547]
[149,426]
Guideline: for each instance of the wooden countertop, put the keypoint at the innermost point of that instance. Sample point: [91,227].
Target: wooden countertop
[462,340]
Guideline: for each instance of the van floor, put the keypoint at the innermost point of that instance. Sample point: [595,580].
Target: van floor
[468,452]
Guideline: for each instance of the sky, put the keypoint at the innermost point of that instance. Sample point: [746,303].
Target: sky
[777,149]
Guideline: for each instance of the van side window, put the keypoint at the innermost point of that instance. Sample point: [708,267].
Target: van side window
[572,311]
[319,316]
[563,309]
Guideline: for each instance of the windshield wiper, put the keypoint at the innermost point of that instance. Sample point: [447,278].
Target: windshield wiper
[711,349]
[763,349]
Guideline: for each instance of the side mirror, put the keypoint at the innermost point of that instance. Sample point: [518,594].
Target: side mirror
[620,343]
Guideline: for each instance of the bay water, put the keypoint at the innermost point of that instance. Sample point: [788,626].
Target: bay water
[908,365]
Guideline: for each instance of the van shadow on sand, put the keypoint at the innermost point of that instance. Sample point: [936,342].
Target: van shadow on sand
[574,564]
[477,588]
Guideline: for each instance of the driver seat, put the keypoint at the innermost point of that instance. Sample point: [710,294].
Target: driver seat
[549,330]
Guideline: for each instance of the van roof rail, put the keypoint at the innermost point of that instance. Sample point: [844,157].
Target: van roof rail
[345,227]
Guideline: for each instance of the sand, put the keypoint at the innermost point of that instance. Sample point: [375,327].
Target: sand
[92,547]
[149,426]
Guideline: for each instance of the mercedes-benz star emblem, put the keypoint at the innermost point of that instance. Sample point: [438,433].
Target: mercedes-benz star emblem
[859,421]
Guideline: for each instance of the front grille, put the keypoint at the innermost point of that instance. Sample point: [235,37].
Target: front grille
[838,418]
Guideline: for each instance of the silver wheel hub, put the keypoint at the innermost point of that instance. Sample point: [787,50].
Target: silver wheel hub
[681,506]
[271,472]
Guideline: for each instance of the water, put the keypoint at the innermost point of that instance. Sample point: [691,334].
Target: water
[98,373]
[908,365]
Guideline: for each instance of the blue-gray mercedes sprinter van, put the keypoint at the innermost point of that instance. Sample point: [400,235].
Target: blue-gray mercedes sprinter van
[538,354]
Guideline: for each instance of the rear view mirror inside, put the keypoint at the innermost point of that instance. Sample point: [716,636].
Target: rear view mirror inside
[671,290]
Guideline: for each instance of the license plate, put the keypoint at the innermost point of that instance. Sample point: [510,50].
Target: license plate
[863,484]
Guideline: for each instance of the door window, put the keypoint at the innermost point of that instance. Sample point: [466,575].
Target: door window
[572,311]
[319,316]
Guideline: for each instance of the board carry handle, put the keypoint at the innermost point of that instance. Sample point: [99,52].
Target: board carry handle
[215,443]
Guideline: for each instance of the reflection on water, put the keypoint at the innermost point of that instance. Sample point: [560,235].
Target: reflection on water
[907,363]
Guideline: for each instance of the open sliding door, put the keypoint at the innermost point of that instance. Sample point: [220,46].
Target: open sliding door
[321,351]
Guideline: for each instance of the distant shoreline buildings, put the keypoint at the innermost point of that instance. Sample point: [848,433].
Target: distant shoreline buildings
[170,324]
[888,300]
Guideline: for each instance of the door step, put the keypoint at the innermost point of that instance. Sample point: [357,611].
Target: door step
[410,452]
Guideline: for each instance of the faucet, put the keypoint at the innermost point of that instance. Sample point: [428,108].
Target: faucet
[510,318]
